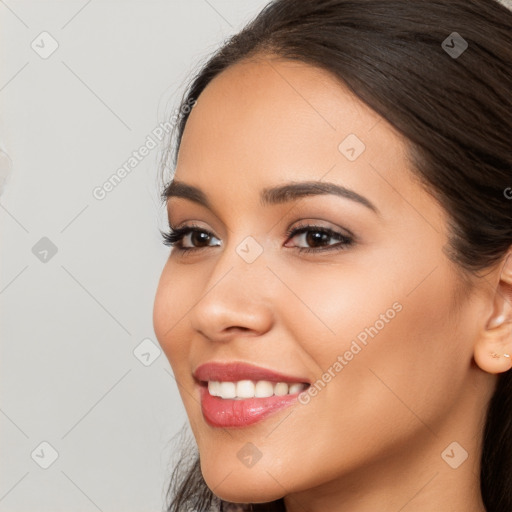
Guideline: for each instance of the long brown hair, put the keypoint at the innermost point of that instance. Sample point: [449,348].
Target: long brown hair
[455,110]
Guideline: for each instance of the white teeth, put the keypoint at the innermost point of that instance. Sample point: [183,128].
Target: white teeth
[213,388]
[281,388]
[250,389]
[226,389]
[245,389]
[295,388]
[263,389]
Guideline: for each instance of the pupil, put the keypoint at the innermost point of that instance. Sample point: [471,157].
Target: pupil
[198,236]
[312,240]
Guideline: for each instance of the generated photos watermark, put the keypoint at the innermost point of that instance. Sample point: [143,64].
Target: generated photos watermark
[355,348]
[100,192]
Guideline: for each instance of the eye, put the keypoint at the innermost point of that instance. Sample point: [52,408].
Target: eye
[194,238]
[319,237]
[188,238]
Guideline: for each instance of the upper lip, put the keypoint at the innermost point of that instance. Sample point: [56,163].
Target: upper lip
[236,371]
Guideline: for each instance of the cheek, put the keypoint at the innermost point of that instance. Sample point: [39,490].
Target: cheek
[173,300]
[391,339]
[368,295]
[161,308]
[170,308]
[392,342]
[398,310]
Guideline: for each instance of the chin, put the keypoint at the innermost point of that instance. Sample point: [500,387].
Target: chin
[242,486]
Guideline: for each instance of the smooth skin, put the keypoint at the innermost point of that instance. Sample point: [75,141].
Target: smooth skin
[373,437]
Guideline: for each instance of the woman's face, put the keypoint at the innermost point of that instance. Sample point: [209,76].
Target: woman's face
[370,315]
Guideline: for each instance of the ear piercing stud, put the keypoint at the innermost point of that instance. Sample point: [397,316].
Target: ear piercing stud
[497,356]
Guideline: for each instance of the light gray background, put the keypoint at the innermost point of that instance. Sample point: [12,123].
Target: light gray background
[69,325]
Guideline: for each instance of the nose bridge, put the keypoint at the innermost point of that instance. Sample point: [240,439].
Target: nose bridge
[244,262]
[237,292]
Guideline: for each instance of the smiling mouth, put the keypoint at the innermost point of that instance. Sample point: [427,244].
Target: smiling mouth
[246,389]
[240,404]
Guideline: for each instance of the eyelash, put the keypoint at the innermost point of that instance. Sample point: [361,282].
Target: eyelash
[175,236]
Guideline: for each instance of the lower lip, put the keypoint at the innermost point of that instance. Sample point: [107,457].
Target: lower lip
[220,412]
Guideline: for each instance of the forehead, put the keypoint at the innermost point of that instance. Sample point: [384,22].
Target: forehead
[268,120]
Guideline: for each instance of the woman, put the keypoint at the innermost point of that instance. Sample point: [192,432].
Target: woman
[337,304]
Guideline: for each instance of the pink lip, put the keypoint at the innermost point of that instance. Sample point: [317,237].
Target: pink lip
[219,412]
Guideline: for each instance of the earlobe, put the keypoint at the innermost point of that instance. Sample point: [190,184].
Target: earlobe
[490,361]
[493,349]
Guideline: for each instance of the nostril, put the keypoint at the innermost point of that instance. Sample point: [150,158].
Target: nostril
[237,328]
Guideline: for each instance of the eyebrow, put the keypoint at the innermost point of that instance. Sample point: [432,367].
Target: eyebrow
[272,196]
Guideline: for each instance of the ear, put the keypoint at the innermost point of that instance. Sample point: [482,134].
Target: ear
[493,349]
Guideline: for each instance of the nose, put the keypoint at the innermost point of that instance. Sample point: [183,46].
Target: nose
[236,300]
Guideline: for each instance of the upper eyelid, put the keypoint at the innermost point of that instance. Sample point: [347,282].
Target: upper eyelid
[335,229]
[191,198]
[292,231]
[217,219]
